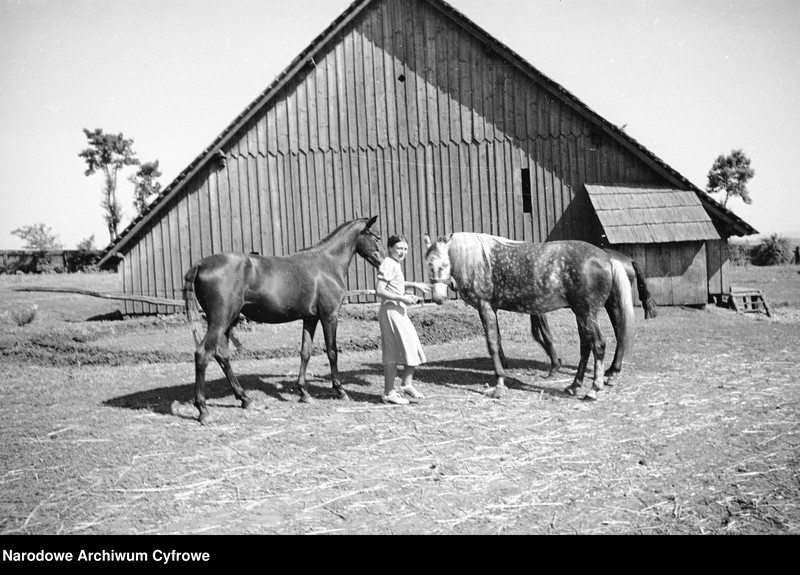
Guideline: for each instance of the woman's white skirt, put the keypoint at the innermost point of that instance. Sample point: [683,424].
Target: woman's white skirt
[399,339]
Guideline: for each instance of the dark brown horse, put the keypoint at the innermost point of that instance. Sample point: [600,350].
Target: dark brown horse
[493,273]
[308,285]
[540,328]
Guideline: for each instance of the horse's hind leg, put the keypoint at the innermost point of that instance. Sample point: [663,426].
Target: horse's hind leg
[598,346]
[309,328]
[223,357]
[214,344]
[615,315]
[586,349]
[540,329]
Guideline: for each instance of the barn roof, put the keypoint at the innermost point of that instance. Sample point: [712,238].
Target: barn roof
[724,219]
[644,215]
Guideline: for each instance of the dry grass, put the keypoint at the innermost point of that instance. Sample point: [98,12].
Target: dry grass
[700,435]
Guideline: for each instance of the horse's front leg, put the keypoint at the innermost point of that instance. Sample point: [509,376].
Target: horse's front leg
[586,349]
[309,328]
[489,320]
[329,326]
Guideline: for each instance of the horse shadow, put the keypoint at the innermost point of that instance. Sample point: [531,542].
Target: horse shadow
[460,374]
[479,371]
[162,400]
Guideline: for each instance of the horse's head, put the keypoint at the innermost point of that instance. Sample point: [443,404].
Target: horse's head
[369,245]
[437,264]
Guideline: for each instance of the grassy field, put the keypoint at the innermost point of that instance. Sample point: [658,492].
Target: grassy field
[700,434]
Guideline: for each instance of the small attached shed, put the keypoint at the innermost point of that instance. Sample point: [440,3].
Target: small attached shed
[666,230]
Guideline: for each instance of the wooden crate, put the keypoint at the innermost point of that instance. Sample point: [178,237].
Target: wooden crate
[748,301]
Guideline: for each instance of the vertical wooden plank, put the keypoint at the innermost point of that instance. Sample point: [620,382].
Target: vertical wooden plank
[431,70]
[443,63]
[272,129]
[342,88]
[236,201]
[276,215]
[379,80]
[312,125]
[350,63]
[282,122]
[265,209]
[321,81]
[488,207]
[204,220]
[453,93]
[464,86]
[369,83]
[194,223]
[487,85]
[475,188]
[389,74]
[464,190]
[333,99]
[256,209]
[396,22]
[542,192]
[360,44]
[444,187]
[320,177]
[531,110]
[420,74]
[302,115]
[509,105]
[498,161]
[476,77]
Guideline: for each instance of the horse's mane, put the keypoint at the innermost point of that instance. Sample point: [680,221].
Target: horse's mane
[324,242]
[470,258]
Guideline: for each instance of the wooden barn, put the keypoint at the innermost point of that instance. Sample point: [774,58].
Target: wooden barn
[408,110]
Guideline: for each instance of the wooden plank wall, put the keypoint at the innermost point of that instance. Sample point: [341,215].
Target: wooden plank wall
[405,115]
[676,272]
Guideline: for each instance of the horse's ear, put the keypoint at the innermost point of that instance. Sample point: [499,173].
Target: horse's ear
[427,239]
[371,221]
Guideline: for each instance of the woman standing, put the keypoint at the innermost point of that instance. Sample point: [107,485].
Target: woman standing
[399,340]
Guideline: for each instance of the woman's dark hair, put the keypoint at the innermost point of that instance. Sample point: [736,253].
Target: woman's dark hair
[396,239]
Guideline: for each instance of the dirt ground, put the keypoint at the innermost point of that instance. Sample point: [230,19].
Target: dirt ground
[699,436]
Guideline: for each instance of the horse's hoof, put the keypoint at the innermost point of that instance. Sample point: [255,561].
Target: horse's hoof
[247,403]
[569,391]
[496,392]
[591,395]
[306,399]
[203,418]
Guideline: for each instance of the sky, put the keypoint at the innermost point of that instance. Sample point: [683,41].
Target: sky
[689,81]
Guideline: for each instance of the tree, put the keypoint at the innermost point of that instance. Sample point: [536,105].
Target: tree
[109,153]
[87,254]
[41,240]
[773,251]
[729,175]
[38,237]
[145,185]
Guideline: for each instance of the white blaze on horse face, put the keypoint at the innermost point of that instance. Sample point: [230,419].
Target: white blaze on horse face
[439,272]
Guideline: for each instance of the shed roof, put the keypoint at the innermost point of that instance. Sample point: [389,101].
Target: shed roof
[645,215]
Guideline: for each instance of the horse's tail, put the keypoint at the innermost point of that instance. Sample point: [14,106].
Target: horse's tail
[190,301]
[621,291]
[648,303]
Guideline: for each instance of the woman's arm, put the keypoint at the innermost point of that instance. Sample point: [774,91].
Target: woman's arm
[424,288]
[380,291]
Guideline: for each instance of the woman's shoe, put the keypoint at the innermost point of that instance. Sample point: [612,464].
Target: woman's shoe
[411,391]
[395,398]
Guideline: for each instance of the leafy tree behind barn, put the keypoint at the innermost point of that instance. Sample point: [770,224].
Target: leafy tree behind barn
[729,175]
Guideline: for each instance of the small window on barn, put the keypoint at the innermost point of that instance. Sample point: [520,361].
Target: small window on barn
[527,200]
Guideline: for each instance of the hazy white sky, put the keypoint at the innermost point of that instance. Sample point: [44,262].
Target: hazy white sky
[690,80]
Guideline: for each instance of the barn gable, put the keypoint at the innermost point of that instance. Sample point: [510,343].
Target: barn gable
[404,109]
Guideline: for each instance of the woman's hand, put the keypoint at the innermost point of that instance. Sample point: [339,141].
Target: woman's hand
[410,299]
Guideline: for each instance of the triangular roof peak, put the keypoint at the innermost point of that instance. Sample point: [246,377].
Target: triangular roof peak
[210,153]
